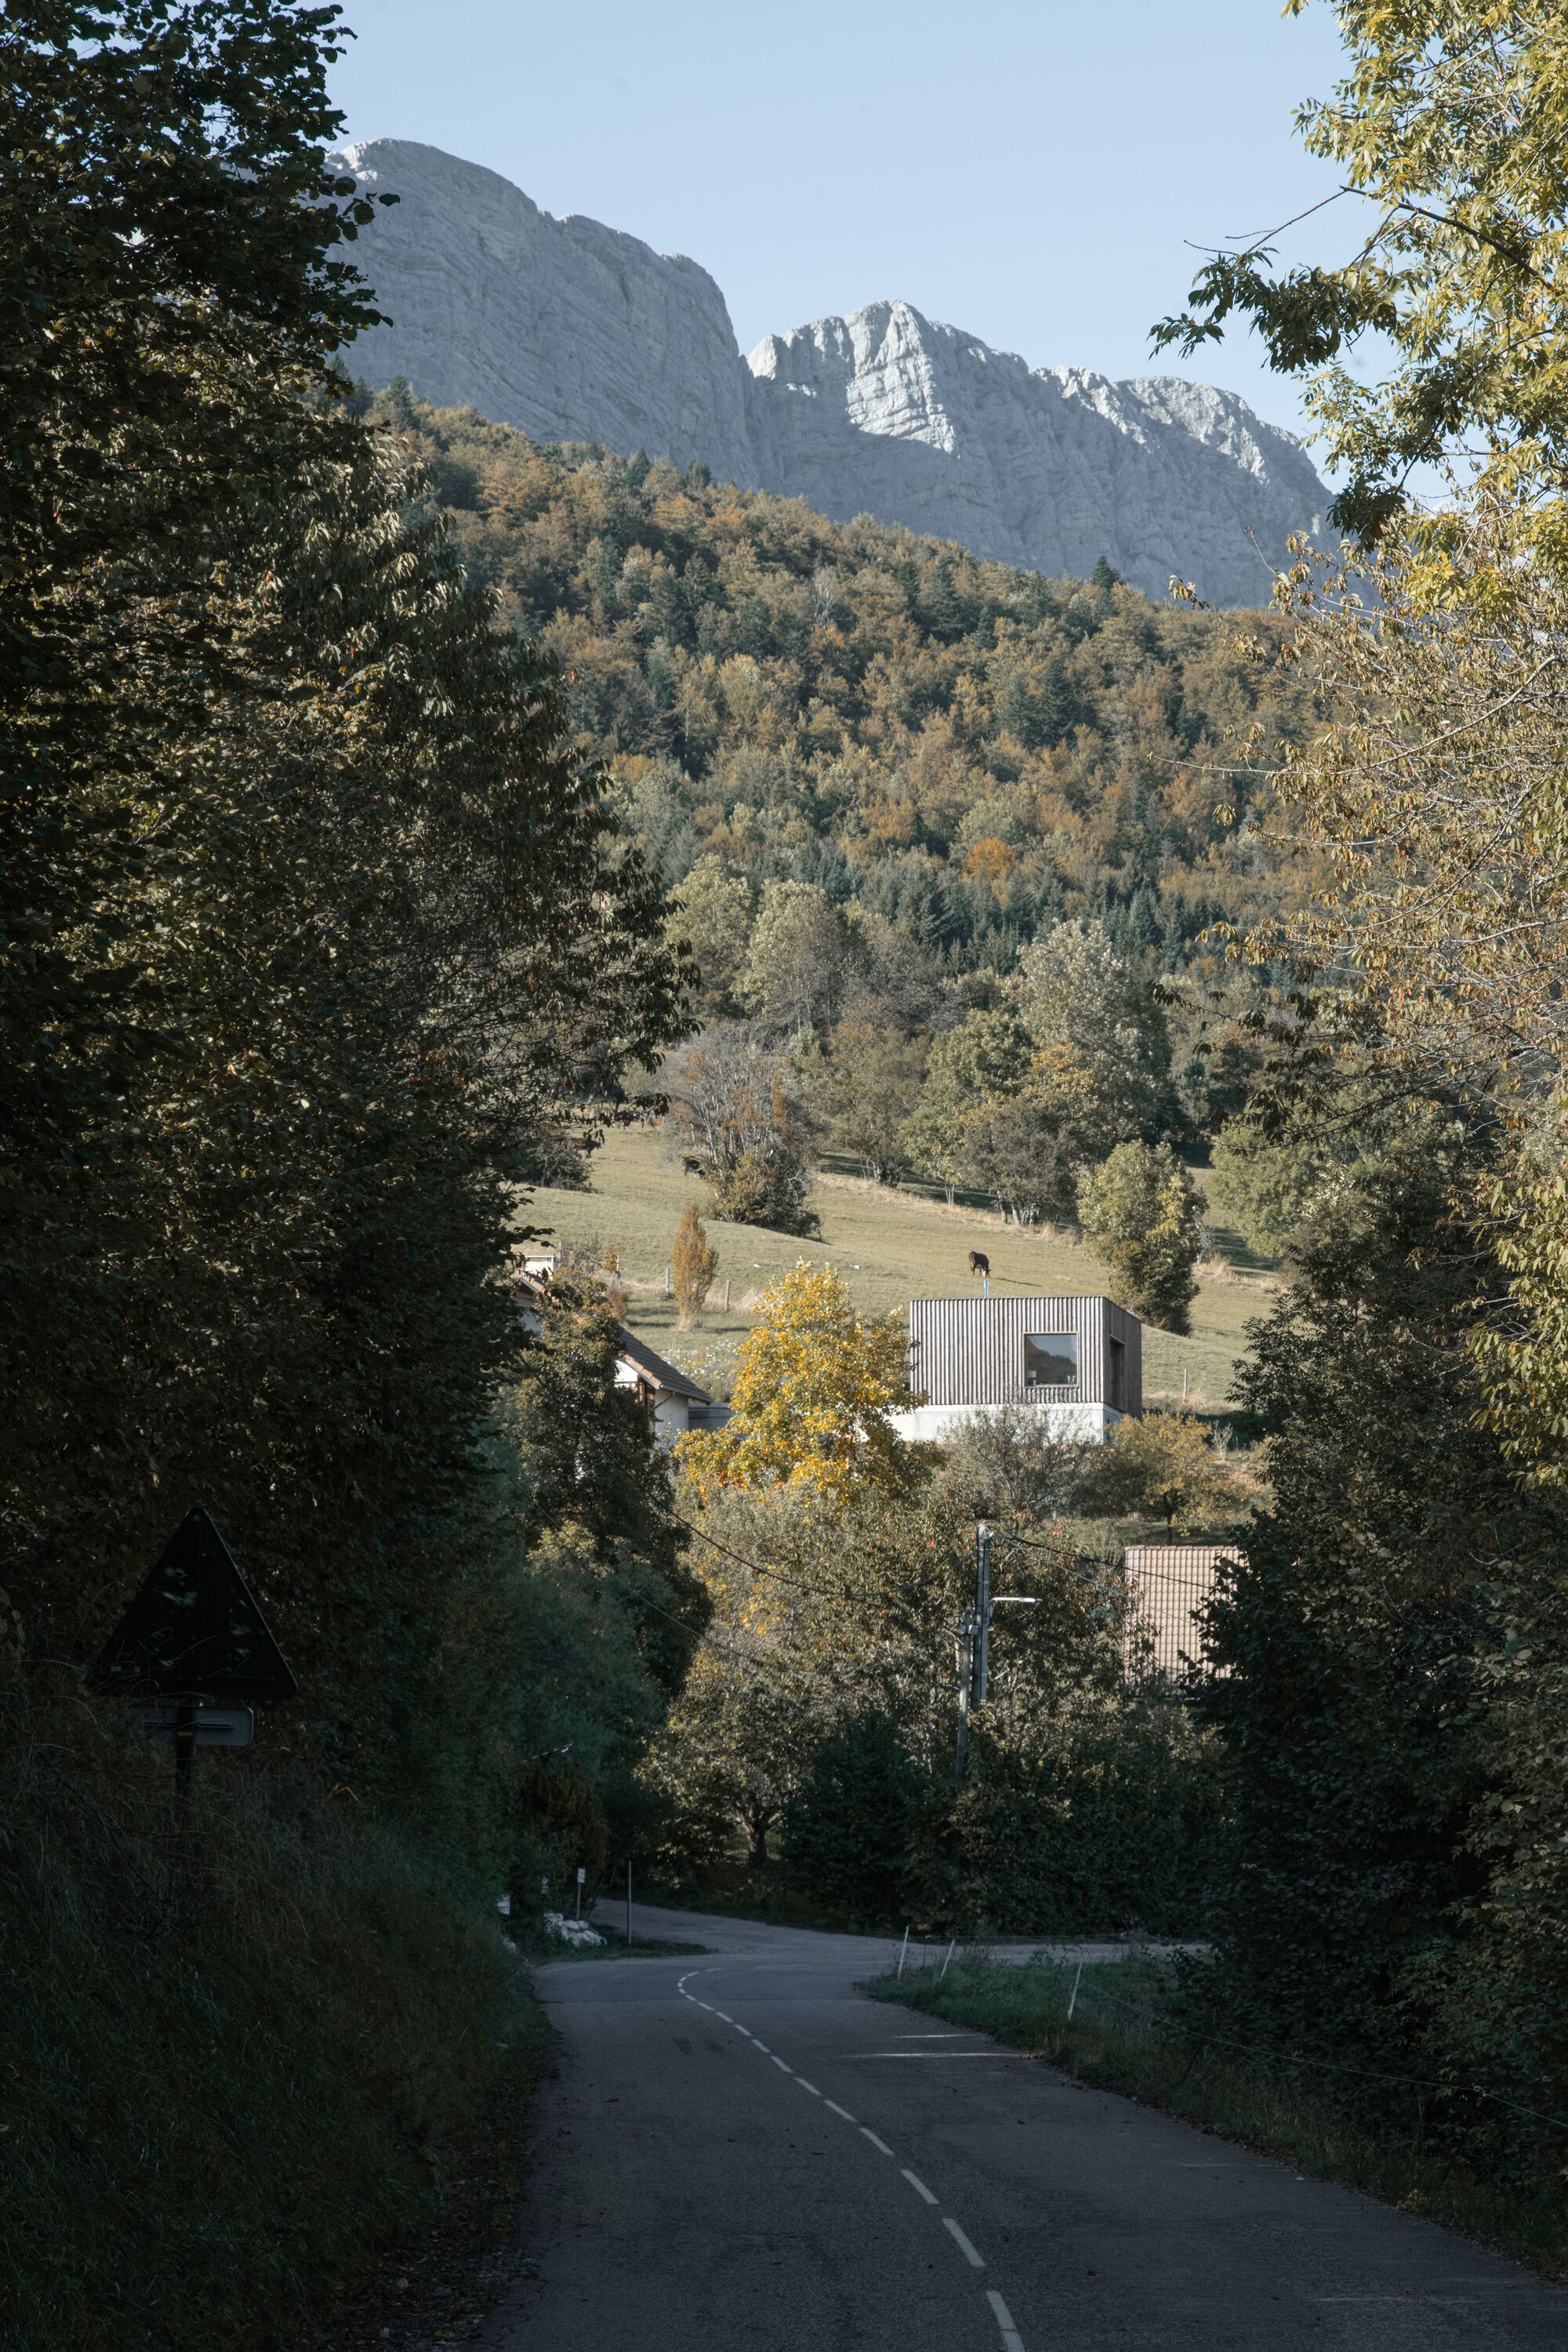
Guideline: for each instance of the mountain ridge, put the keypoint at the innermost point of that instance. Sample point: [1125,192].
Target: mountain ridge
[575,331]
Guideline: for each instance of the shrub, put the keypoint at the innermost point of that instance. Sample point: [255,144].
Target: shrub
[693,1263]
[1109,1823]
[1167,1466]
[247,2041]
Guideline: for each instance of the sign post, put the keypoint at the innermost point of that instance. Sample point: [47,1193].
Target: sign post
[194,1650]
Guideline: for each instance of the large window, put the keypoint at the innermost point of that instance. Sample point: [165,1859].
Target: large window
[1050,1360]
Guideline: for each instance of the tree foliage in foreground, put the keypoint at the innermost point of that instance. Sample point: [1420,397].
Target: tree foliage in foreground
[311,929]
[314,926]
[1436,805]
[1449,132]
[1393,1721]
[1381,1865]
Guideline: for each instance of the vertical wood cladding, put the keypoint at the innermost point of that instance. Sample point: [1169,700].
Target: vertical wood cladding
[970,1350]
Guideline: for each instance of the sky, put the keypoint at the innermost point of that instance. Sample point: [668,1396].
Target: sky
[1039,174]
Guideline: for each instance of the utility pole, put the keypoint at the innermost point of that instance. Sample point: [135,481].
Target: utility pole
[965,1691]
[975,1640]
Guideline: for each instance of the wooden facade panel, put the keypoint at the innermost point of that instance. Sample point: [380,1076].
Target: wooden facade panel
[970,1350]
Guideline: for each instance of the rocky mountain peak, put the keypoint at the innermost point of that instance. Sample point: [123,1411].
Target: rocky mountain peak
[574,331]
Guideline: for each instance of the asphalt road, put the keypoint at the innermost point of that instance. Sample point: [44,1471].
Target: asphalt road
[738,2153]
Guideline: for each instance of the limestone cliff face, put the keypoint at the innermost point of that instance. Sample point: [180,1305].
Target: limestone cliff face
[568,329]
[575,333]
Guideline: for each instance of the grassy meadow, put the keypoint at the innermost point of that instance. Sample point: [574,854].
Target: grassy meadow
[889,1246]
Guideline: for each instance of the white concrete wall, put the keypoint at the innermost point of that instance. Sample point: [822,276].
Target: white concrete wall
[1069,1424]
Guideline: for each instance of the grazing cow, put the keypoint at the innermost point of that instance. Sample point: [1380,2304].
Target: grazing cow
[691,1168]
[979,1263]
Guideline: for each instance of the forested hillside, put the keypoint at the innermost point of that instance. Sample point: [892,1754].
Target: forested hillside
[967,749]
[953,845]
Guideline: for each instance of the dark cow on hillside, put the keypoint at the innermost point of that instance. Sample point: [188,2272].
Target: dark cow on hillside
[979,1263]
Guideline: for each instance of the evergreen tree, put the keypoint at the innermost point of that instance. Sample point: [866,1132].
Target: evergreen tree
[1370,1797]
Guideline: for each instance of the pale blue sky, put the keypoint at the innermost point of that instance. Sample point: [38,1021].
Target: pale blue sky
[1037,174]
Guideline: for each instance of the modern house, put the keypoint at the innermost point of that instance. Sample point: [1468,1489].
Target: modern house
[1076,1362]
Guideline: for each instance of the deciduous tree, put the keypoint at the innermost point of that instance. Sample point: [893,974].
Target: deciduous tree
[797,959]
[732,1101]
[1449,135]
[864,1088]
[1142,1218]
[815,1385]
[1096,1026]
[711,911]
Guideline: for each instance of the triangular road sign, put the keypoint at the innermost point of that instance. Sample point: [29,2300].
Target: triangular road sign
[194,1628]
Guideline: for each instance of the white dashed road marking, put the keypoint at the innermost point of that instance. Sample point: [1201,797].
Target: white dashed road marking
[963,2244]
[1011,2340]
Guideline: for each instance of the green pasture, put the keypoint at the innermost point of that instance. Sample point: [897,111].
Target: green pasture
[889,1246]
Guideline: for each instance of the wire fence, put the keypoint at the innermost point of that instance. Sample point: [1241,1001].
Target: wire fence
[1141,2008]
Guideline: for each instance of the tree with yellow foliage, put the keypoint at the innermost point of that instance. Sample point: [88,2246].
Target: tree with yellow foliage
[815,1386]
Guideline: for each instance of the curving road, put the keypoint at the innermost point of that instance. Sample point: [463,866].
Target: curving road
[738,2153]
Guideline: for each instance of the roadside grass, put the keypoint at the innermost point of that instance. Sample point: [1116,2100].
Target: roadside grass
[255,2048]
[889,1244]
[1122,2035]
[448,2275]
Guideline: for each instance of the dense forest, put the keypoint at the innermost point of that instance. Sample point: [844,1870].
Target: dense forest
[968,750]
[957,849]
